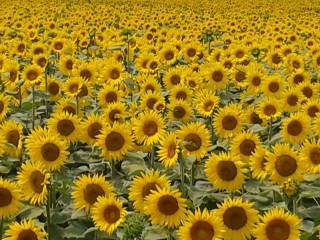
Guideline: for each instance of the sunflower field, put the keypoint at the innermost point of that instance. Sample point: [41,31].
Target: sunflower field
[159,119]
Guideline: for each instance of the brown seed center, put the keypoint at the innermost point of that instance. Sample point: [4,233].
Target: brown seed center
[13,137]
[292,100]
[202,230]
[114,141]
[69,64]
[50,152]
[307,91]
[150,128]
[36,181]
[278,229]
[5,197]
[193,142]
[94,130]
[315,155]
[191,52]
[111,214]
[53,88]
[286,165]
[294,128]
[181,95]
[151,102]
[27,234]
[146,190]
[256,80]
[92,192]
[114,74]
[217,76]
[227,170]
[179,112]
[168,205]
[111,97]
[229,122]
[269,110]
[168,55]
[85,74]
[32,75]
[255,119]
[65,127]
[276,59]
[273,87]
[175,79]
[312,111]
[235,218]
[247,147]
[114,115]
[1,106]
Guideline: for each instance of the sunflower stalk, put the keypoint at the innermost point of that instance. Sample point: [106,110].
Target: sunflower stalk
[1,228]
[113,169]
[152,157]
[33,107]
[270,132]
[77,104]
[182,172]
[48,209]
[193,169]
[46,85]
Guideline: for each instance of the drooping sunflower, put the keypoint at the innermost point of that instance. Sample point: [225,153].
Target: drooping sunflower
[277,224]
[239,218]
[109,94]
[201,226]
[48,148]
[284,163]
[169,150]
[10,197]
[12,132]
[142,186]
[258,163]
[206,102]
[310,154]
[195,139]
[225,171]
[65,125]
[295,128]
[115,141]
[91,128]
[148,128]
[25,230]
[228,121]
[4,106]
[179,110]
[10,72]
[166,207]
[244,145]
[33,179]
[87,189]
[108,213]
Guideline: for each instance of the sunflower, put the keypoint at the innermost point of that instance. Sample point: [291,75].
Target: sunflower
[53,88]
[252,116]
[201,226]
[87,189]
[216,75]
[244,145]
[239,218]
[66,64]
[190,51]
[169,150]
[26,229]
[273,86]
[10,197]
[142,62]
[295,128]
[173,77]
[87,71]
[58,45]
[39,48]
[277,224]
[150,84]
[109,94]
[275,59]
[206,102]
[115,141]
[73,86]
[4,106]
[310,155]
[269,108]
[153,65]
[168,54]
[239,52]
[150,100]
[284,163]
[309,90]
[225,172]
[12,132]
[91,128]
[148,128]
[65,125]
[165,207]
[10,72]
[181,92]
[195,138]
[32,74]
[67,105]
[47,148]
[228,120]
[179,110]
[298,76]
[142,186]
[115,112]
[41,60]
[258,163]
[311,108]
[113,73]
[255,78]
[33,179]
[291,98]
[108,213]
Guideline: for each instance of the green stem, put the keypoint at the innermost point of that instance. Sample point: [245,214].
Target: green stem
[152,156]
[181,161]
[46,100]
[20,97]
[1,228]
[270,132]
[33,107]
[48,206]
[113,169]
[212,131]
[77,105]
[294,206]
[193,169]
